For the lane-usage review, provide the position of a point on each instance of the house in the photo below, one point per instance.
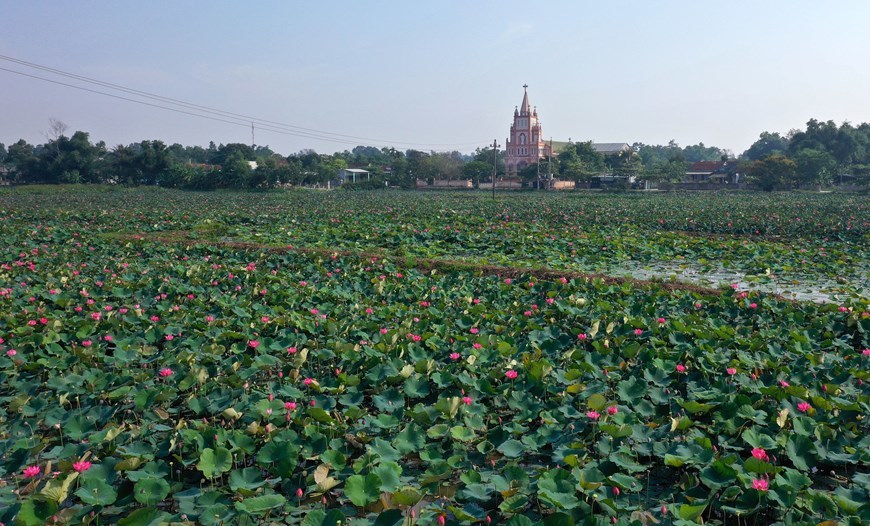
(719, 172)
(351, 174)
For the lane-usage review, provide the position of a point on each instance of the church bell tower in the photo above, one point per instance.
(525, 144)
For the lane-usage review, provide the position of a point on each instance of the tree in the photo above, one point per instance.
(23, 162)
(477, 171)
(627, 164)
(580, 162)
(486, 155)
(122, 164)
(672, 170)
(56, 130)
(816, 167)
(773, 171)
(235, 171)
(699, 152)
(73, 159)
(767, 144)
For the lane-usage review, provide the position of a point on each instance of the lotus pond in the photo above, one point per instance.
(408, 358)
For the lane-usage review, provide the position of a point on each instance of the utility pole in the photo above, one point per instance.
(252, 135)
(494, 164)
(550, 165)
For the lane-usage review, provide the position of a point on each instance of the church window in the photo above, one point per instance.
(522, 138)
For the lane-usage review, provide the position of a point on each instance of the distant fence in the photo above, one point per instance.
(444, 183)
(706, 186)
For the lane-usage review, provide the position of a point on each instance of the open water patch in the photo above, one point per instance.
(801, 288)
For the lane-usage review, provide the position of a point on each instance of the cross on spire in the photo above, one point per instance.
(524, 107)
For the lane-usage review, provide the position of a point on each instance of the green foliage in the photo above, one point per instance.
(773, 172)
(580, 162)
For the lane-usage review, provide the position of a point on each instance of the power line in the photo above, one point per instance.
(176, 110)
(264, 123)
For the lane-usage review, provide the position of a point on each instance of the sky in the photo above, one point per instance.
(430, 75)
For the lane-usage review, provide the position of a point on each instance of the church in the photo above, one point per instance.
(525, 145)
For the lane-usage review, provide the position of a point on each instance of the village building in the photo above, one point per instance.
(525, 145)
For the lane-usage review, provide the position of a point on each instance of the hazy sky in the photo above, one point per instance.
(437, 75)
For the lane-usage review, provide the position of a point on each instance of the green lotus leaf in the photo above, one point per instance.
(363, 490)
(150, 491)
(213, 462)
(96, 492)
(260, 504)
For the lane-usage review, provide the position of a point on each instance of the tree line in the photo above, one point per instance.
(820, 155)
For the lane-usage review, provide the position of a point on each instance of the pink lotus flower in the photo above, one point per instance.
(638, 332)
(299, 493)
(616, 491)
(681, 368)
(383, 330)
(209, 319)
(593, 415)
(760, 484)
(81, 467)
(86, 343)
(760, 454)
(507, 281)
(661, 321)
(511, 374)
(866, 352)
(166, 371)
(31, 471)
(783, 383)
(291, 350)
(731, 371)
(11, 352)
(612, 410)
(455, 356)
(466, 400)
(582, 336)
(803, 407)
(308, 381)
(290, 406)
(473, 330)
(253, 344)
(753, 305)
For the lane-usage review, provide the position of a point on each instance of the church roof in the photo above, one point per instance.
(610, 147)
(606, 148)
